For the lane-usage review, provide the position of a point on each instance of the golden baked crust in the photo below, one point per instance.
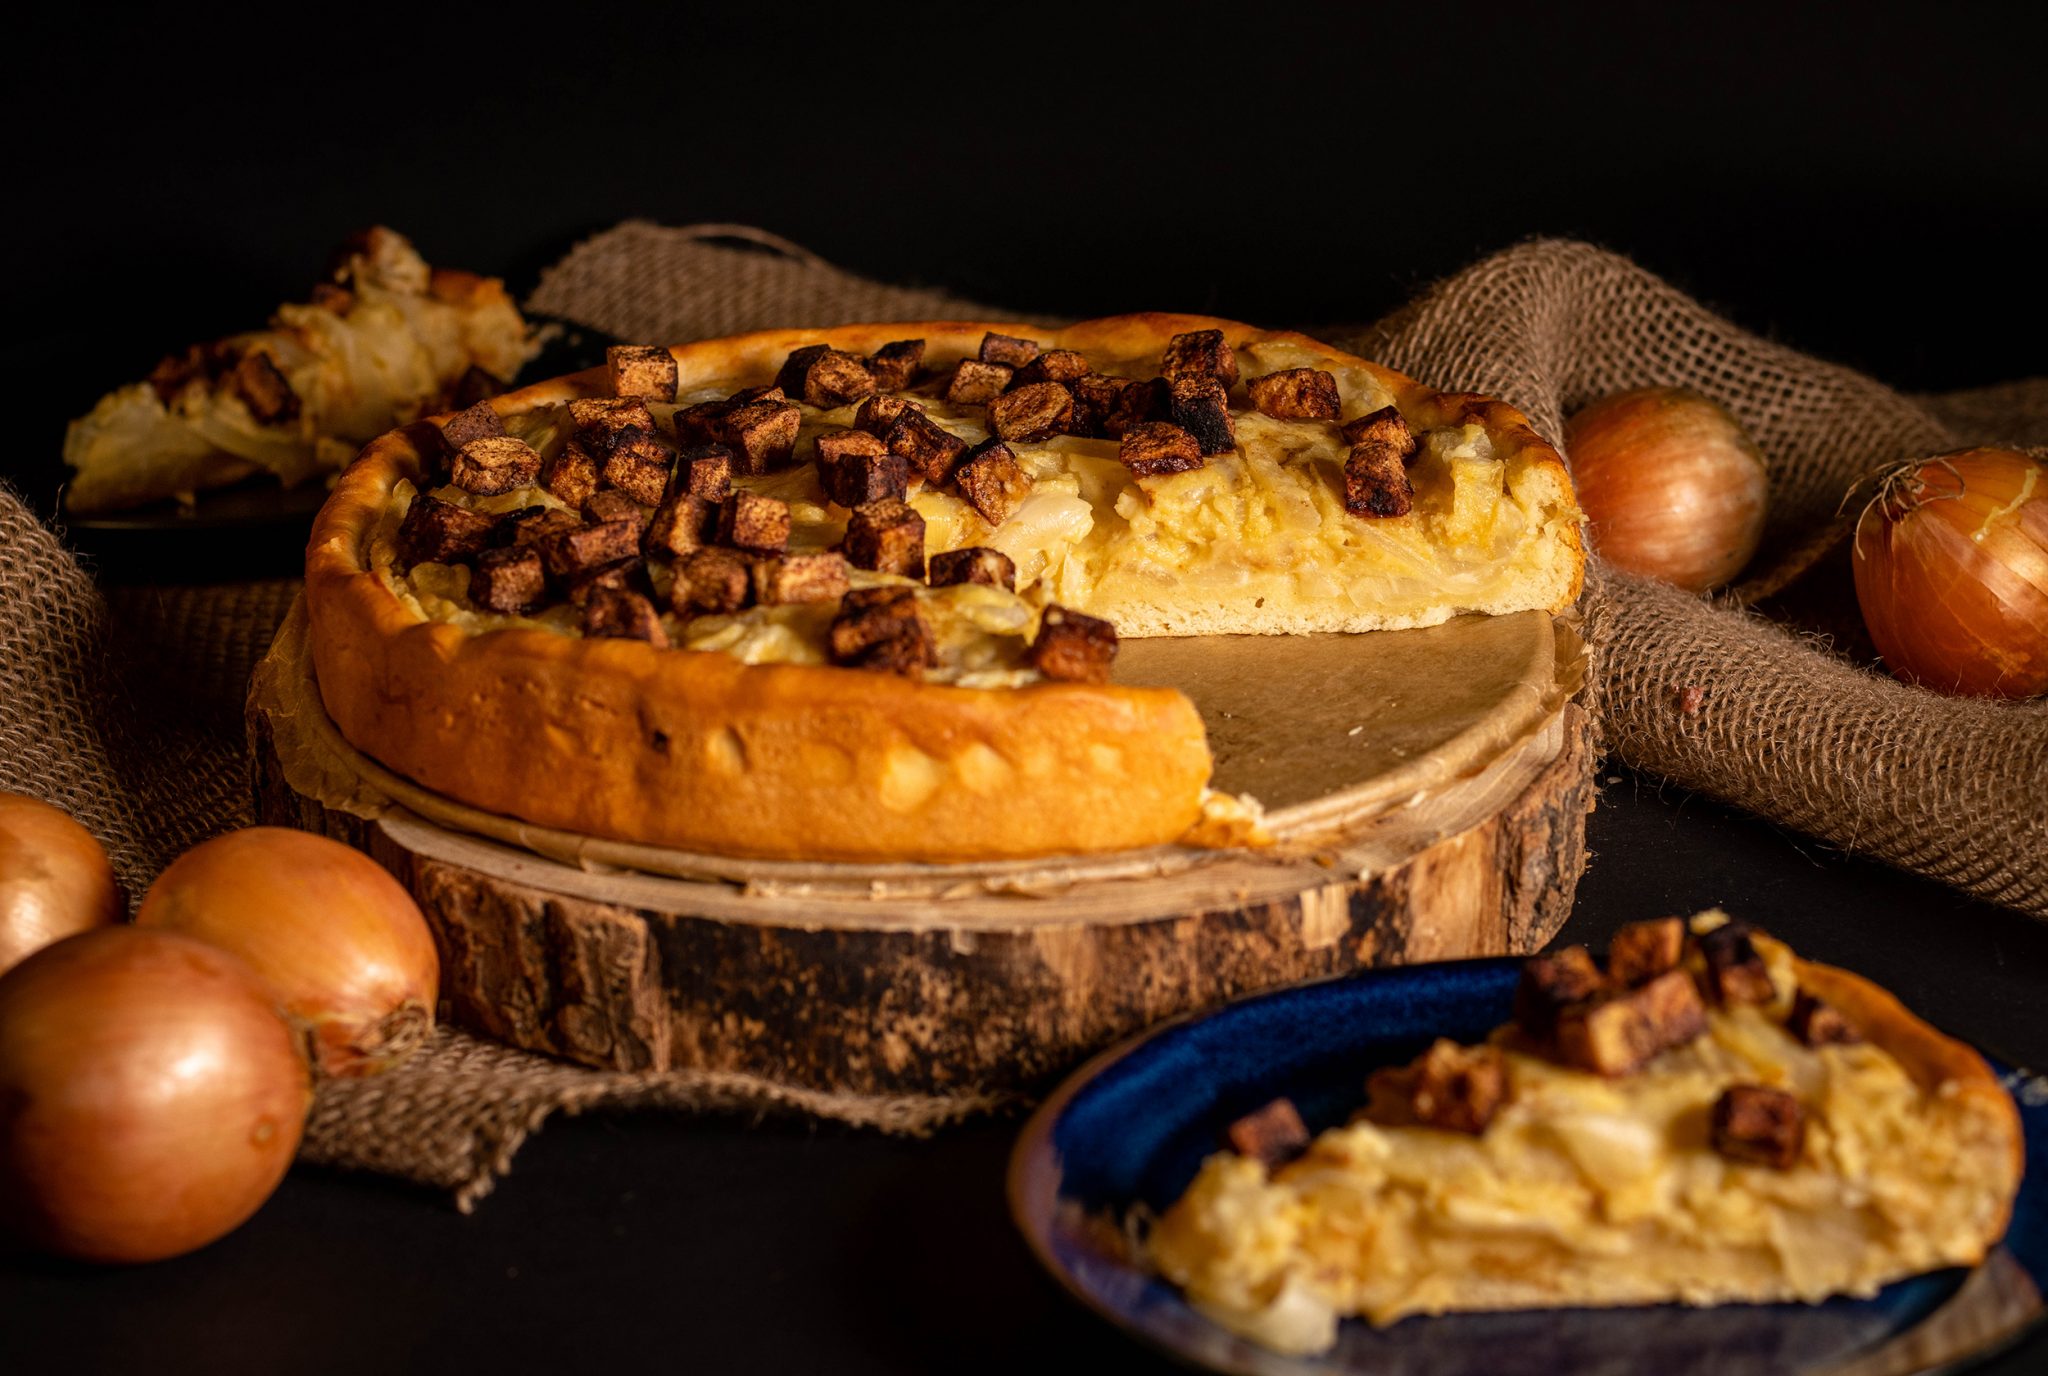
(1939, 1064)
(618, 738)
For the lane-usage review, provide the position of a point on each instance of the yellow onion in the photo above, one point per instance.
(150, 1096)
(1671, 486)
(342, 945)
(54, 879)
(1951, 561)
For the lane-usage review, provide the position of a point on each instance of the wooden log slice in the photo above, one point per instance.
(991, 985)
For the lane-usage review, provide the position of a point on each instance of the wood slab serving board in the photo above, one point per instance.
(1427, 789)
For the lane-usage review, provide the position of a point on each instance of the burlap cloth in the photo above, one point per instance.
(126, 709)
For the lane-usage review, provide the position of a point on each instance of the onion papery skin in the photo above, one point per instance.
(1671, 486)
(340, 942)
(1951, 568)
(151, 1097)
(55, 880)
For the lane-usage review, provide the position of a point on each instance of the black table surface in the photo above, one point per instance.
(721, 1244)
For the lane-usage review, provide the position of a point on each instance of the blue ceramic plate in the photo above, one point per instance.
(1133, 1124)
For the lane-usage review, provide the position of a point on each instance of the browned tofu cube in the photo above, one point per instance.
(641, 371)
(975, 383)
(854, 468)
(621, 614)
(799, 578)
(1157, 447)
(1200, 354)
(1271, 1136)
(1383, 427)
(991, 567)
(749, 521)
(624, 575)
(1032, 412)
(834, 445)
(571, 475)
(508, 580)
(1759, 1126)
(761, 434)
(1376, 483)
(1736, 972)
(1818, 1023)
(882, 629)
(1095, 399)
(262, 388)
(681, 524)
(1296, 394)
(699, 424)
(878, 414)
(825, 378)
(438, 532)
(1054, 365)
(929, 448)
(1449, 1087)
(571, 554)
(703, 470)
(533, 525)
(498, 464)
(992, 481)
(715, 580)
(174, 372)
(638, 465)
(1457, 1088)
(1072, 647)
(895, 366)
(1552, 983)
(1201, 408)
(1007, 350)
(1641, 951)
(597, 419)
(790, 380)
(1618, 1033)
(479, 422)
(617, 506)
(886, 536)
(747, 396)
(1151, 399)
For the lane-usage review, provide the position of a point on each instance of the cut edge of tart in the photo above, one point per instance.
(505, 602)
(1708, 1120)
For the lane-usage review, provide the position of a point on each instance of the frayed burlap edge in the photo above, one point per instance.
(454, 1115)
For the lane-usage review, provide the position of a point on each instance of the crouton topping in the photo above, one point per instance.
(1271, 1136)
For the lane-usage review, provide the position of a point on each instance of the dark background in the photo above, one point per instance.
(1866, 184)
(1869, 184)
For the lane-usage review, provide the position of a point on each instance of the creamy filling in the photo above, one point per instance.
(1589, 1190)
(1260, 533)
